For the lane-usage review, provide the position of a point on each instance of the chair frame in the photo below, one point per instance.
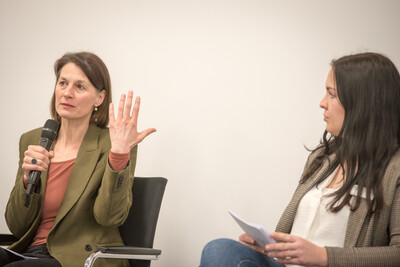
(146, 203)
(135, 253)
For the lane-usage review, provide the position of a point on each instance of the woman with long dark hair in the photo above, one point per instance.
(346, 208)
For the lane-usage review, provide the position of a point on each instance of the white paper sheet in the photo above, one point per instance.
(256, 231)
(20, 255)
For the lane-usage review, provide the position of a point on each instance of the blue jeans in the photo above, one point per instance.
(231, 253)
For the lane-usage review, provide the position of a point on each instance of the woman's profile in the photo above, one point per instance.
(346, 208)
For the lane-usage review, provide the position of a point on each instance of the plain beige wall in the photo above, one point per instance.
(233, 87)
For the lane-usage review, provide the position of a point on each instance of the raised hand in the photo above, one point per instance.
(123, 128)
(296, 250)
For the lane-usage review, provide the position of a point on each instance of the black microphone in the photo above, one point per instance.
(49, 133)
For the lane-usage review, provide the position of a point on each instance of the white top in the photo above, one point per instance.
(315, 222)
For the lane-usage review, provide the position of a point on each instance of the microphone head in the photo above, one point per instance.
(50, 129)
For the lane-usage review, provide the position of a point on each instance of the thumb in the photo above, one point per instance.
(146, 133)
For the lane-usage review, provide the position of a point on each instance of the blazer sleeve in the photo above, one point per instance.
(114, 197)
(18, 217)
(372, 256)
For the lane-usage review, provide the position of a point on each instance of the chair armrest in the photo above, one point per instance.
(7, 239)
(124, 252)
(130, 250)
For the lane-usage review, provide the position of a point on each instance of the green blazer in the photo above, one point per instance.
(97, 200)
(369, 241)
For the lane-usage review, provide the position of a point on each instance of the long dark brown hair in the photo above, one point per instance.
(98, 75)
(368, 87)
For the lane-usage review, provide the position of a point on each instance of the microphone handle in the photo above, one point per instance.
(34, 176)
(32, 181)
(45, 142)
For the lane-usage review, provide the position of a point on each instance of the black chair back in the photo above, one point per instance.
(140, 226)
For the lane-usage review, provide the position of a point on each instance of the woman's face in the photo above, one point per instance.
(334, 111)
(76, 97)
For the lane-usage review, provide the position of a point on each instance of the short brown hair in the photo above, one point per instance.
(98, 75)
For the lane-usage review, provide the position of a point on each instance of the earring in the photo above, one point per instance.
(94, 112)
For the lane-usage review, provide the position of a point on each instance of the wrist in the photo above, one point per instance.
(324, 257)
(118, 161)
(120, 150)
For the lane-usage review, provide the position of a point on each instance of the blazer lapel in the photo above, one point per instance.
(355, 223)
(318, 174)
(85, 163)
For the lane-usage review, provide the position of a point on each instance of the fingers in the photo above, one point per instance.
(250, 242)
(124, 108)
(282, 237)
(283, 254)
(286, 250)
(121, 106)
(142, 135)
(135, 113)
(280, 246)
(246, 238)
(147, 132)
(36, 158)
(111, 116)
(128, 105)
(296, 250)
